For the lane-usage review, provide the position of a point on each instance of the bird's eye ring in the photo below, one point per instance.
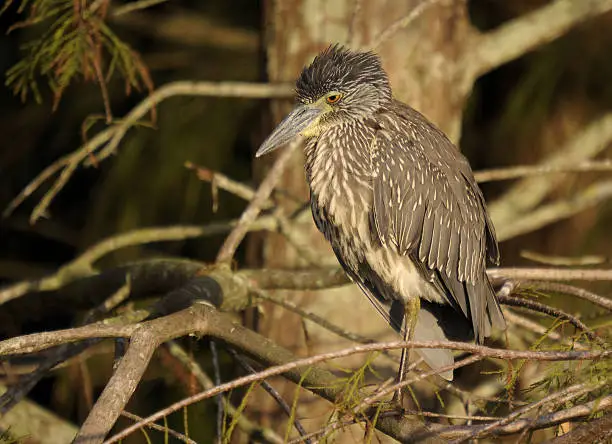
(333, 98)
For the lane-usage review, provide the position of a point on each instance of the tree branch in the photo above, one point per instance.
(520, 171)
(528, 32)
(106, 142)
(551, 274)
(528, 193)
(594, 195)
(226, 253)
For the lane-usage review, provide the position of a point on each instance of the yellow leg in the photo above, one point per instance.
(411, 314)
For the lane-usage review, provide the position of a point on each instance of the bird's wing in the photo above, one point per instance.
(428, 206)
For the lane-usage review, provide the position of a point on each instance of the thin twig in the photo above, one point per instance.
(575, 390)
(226, 253)
(205, 382)
(402, 23)
(313, 317)
(370, 400)
(106, 142)
(517, 172)
(551, 311)
(545, 421)
(217, 179)
(481, 351)
(563, 261)
(82, 265)
(155, 426)
(219, 398)
(192, 89)
(135, 6)
(597, 431)
(527, 324)
(271, 391)
(573, 291)
(551, 274)
(529, 192)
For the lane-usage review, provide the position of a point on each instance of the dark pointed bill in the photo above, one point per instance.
(296, 121)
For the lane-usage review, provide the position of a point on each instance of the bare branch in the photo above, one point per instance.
(206, 383)
(520, 171)
(272, 392)
(313, 317)
(554, 312)
(594, 195)
(403, 22)
(192, 89)
(135, 6)
(226, 253)
(551, 274)
(106, 142)
(217, 179)
(119, 389)
(144, 340)
(480, 351)
(82, 266)
(41, 341)
(530, 31)
(528, 193)
(574, 291)
(544, 421)
(154, 426)
(597, 430)
(565, 261)
(574, 391)
(526, 324)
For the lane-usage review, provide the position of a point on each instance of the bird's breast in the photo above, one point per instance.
(340, 182)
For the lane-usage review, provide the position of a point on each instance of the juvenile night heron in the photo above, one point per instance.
(397, 202)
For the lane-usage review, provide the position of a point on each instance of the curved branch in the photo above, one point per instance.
(528, 32)
(106, 142)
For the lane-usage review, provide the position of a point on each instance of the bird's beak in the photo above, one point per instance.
(296, 122)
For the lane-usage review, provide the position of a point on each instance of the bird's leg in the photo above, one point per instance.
(411, 314)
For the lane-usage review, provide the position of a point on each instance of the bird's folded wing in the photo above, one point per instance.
(427, 206)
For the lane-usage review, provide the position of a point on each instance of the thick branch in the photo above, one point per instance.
(530, 31)
(562, 209)
(597, 430)
(144, 340)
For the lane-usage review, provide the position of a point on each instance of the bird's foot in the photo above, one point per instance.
(397, 402)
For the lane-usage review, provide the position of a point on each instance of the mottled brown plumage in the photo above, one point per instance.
(395, 199)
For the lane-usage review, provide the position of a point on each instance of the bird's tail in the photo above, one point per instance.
(440, 323)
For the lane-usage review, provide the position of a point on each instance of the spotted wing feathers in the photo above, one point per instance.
(428, 206)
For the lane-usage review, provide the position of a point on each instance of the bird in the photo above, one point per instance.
(397, 202)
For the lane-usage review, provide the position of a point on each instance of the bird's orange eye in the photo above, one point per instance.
(333, 98)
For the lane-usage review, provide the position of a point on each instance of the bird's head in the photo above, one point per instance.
(338, 86)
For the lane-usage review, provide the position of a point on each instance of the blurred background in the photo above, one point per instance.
(516, 114)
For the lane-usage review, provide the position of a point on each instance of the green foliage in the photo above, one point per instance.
(74, 43)
(227, 433)
(558, 376)
(294, 404)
